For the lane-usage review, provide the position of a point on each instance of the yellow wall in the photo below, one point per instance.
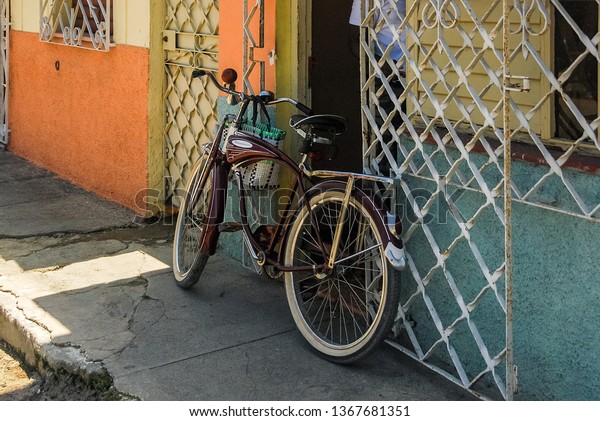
(131, 20)
(25, 15)
(477, 76)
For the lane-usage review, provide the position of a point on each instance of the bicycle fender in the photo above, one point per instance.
(392, 243)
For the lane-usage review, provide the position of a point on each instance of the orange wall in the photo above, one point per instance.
(231, 41)
(87, 121)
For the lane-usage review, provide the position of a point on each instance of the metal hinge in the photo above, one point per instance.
(516, 377)
(522, 84)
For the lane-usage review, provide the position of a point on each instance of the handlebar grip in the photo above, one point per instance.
(198, 73)
(304, 109)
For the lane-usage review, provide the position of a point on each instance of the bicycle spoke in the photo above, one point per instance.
(313, 298)
(357, 297)
(341, 312)
(332, 312)
(345, 324)
(326, 301)
(360, 253)
(365, 260)
(352, 287)
(343, 300)
(331, 223)
(313, 242)
(306, 279)
(353, 220)
(339, 304)
(320, 307)
(312, 262)
(194, 223)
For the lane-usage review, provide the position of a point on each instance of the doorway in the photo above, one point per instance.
(334, 79)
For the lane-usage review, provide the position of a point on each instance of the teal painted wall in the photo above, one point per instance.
(556, 286)
(555, 280)
(462, 267)
(556, 299)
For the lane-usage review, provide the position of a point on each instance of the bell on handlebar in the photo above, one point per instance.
(267, 96)
(229, 76)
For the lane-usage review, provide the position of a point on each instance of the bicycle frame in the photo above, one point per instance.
(344, 298)
(240, 150)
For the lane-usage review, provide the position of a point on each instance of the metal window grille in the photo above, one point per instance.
(77, 23)
(475, 80)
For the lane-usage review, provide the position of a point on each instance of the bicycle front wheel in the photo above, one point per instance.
(345, 314)
(188, 262)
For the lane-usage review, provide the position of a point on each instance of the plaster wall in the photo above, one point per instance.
(100, 117)
(231, 38)
(82, 114)
(556, 295)
(556, 286)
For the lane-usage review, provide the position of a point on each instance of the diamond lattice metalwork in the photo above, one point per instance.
(473, 75)
(427, 118)
(191, 41)
(567, 98)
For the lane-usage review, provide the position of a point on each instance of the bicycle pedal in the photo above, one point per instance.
(230, 227)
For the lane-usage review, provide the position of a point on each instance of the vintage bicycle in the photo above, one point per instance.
(339, 250)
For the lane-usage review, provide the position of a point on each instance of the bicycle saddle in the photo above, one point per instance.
(333, 123)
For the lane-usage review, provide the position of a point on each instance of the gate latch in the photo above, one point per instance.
(169, 40)
(518, 83)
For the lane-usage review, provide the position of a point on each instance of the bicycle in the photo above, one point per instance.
(340, 252)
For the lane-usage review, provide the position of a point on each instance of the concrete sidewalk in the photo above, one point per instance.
(84, 290)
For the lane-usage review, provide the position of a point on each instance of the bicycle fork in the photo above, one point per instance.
(340, 225)
(394, 250)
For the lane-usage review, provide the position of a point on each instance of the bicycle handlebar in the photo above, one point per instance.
(303, 108)
(242, 96)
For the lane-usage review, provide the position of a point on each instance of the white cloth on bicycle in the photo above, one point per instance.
(395, 11)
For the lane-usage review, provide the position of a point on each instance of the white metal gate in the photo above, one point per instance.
(191, 41)
(478, 84)
(4, 70)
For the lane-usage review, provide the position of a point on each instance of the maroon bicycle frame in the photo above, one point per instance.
(242, 150)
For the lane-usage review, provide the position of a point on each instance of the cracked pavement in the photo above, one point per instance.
(84, 290)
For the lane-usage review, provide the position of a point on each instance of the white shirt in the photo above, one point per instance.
(395, 12)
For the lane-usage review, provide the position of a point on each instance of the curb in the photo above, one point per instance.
(35, 344)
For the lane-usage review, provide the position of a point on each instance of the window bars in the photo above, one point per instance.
(418, 109)
(475, 79)
(77, 23)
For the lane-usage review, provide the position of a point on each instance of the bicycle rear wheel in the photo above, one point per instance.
(188, 262)
(346, 314)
